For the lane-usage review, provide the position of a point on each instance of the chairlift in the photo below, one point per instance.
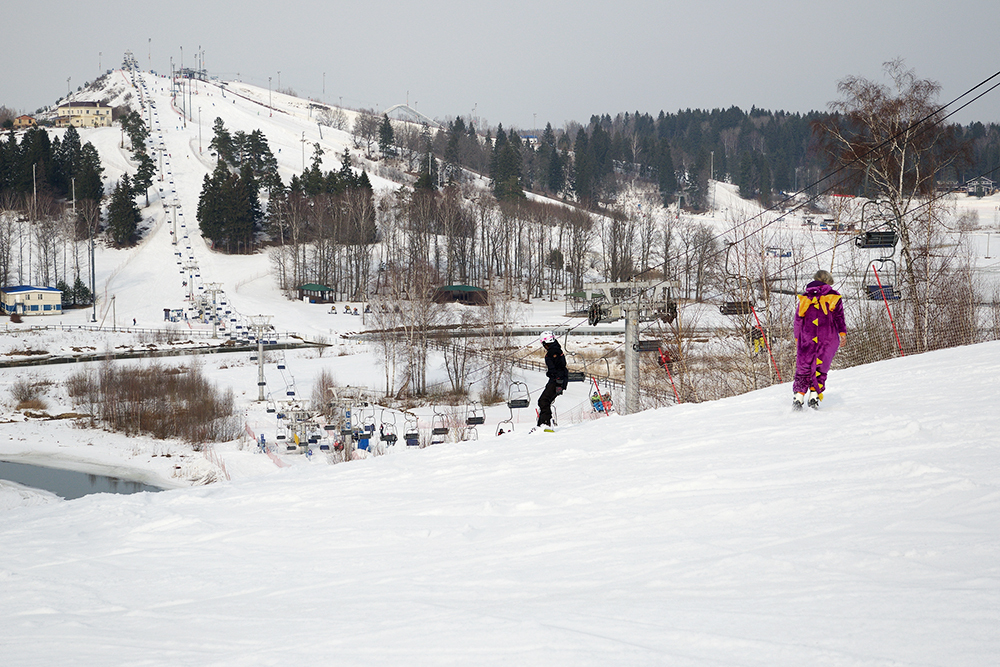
(518, 396)
(881, 279)
(388, 429)
(411, 433)
(736, 308)
(736, 284)
(439, 428)
(271, 407)
(475, 414)
(878, 231)
(600, 399)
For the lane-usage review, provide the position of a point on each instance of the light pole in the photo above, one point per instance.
(712, 173)
(303, 152)
(199, 130)
(324, 85)
(268, 96)
(279, 80)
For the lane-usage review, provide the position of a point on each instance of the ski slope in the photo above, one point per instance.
(731, 533)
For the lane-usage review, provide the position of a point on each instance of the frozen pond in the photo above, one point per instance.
(68, 484)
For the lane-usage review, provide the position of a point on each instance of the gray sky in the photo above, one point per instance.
(513, 62)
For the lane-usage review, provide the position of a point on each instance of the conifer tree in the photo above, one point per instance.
(386, 136)
(123, 214)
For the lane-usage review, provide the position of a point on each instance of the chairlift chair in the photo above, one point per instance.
(739, 285)
(411, 434)
(439, 428)
(880, 281)
(600, 399)
(475, 414)
(388, 430)
(518, 396)
(878, 231)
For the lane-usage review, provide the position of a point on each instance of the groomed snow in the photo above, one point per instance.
(729, 533)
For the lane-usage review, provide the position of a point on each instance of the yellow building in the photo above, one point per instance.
(22, 122)
(83, 114)
(28, 300)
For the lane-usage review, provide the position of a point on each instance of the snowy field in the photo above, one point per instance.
(732, 533)
(729, 533)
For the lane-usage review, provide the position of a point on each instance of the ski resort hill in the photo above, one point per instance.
(731, 532)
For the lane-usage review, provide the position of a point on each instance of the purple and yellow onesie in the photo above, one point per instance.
(819, 323)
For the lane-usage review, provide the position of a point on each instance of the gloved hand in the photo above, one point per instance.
(559, 389)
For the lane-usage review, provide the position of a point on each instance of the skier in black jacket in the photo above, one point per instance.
(555, 370)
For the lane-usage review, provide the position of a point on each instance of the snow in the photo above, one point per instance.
(733, 532)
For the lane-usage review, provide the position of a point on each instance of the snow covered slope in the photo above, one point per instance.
(726, 533)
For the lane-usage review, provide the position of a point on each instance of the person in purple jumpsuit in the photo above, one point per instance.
(820, 329)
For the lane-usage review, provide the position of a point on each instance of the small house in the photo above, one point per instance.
(979, 186)
(23, 122)
(28, 300)
(315, 293)
(467, 294)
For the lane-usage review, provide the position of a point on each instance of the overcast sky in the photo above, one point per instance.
(518, 63)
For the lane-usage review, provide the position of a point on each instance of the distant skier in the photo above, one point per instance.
(820, 329)
(555, 370)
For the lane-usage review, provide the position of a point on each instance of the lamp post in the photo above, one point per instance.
(199, 130)
(712, 174)
(268, 96)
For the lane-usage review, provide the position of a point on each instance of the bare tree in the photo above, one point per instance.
(365, 130)
(893, 144)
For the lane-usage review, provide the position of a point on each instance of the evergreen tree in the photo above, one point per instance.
(505, 166)
(67, 293)
(82, 296)
(143, 180)
(88, 174)
(665, 175)
(222, 142)
(123, 214)
(583, 169)
(386, 136)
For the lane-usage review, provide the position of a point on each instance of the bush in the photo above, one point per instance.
(164, 403)
(27, 395)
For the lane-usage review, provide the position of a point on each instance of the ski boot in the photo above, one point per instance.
(814, 399)
(798, 400)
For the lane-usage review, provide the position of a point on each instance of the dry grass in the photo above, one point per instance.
(164, 403)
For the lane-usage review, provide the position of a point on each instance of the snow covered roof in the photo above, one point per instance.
(28, 288)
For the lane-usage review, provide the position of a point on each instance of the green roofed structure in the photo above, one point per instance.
(315, 293)
(467, 294)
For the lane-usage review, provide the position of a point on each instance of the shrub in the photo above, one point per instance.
(165, 403)
(27, 394)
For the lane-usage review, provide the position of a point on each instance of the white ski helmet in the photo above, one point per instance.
(547, 337)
